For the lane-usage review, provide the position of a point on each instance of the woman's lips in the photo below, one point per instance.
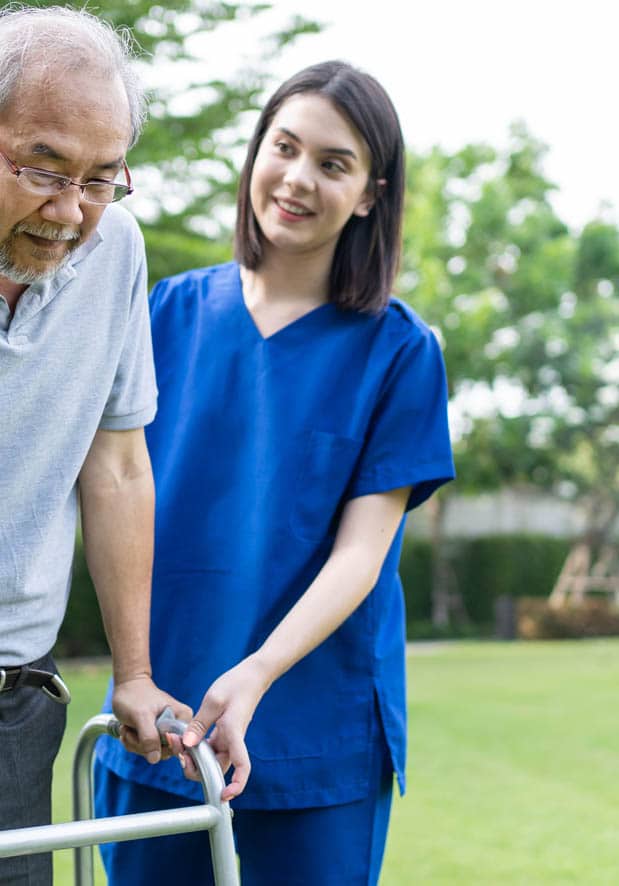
(292, 208)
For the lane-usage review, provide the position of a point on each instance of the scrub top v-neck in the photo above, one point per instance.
(258, 443)
(264, 336)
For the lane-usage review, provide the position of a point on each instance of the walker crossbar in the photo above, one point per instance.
(81, 834)
(71, 834)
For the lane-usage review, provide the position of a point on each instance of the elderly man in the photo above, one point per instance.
(76, 388)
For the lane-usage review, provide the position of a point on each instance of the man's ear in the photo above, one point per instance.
(369, 198)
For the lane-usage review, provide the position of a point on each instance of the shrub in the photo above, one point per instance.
(482, 570)
(82, 631)
(593, 617)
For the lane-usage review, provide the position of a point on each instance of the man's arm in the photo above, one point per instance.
(117, 507)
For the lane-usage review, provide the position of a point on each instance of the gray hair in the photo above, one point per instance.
(66, 39)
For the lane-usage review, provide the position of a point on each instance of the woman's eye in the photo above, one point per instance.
(333, 166)
(283, 147)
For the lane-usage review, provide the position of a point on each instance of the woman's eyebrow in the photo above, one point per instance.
(344, 152)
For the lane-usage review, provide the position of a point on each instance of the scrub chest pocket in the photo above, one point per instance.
(326, 469)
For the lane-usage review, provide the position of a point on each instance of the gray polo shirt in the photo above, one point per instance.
(75, 357)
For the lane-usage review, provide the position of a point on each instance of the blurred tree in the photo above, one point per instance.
(186, 160)
(576, 394)
(528, 315)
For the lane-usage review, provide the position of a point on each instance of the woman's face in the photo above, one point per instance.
(309, 177)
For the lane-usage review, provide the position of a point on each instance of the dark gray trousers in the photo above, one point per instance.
(31, 729)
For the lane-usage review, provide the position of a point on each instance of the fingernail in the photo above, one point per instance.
(181, 760)
(153, 756)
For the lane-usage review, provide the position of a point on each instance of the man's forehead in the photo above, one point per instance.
(59, 117)
(53, 95)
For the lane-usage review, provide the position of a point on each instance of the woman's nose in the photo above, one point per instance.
(300, 174)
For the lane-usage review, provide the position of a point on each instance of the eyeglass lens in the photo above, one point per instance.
(48, 184)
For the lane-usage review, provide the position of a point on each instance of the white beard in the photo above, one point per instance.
(26, 275)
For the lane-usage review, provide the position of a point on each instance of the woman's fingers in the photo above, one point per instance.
(177, 748)
(204, 718)
(239, 759)
(195, 732)
(230, 750)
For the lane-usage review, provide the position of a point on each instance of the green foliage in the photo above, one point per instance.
(170, 253)
(528, 314)
(597, 258)
(81, 634)
(483, 569)
(488, 568)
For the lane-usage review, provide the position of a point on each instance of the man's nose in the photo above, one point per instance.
(64, 208)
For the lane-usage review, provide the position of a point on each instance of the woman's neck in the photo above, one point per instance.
(290, 279)
(278, 293)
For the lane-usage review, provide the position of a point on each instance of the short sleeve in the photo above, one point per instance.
(408, 438)
(132, 402)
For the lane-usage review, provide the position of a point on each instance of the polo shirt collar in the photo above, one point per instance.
(85, 249)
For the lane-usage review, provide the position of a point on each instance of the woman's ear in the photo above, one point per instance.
(369, 198)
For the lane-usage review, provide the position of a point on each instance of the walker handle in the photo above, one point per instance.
(167, 722)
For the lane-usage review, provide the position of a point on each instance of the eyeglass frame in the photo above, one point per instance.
(18, 170)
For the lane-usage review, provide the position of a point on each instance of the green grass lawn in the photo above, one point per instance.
(513, 766)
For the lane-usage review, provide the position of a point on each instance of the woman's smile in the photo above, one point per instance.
(312, 165)
(292, 207)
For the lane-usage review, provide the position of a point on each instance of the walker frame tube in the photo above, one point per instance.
(81, 834)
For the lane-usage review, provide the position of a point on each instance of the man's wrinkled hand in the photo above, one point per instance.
(137, 702)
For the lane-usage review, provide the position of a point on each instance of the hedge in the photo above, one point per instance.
(82, 631)
(482, 569)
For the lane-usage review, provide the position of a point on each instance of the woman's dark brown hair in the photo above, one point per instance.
(368, 251)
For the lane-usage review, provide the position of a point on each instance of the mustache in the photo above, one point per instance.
(48, 232)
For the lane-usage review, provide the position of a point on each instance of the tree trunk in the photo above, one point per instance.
(446, 599)
(592, 563)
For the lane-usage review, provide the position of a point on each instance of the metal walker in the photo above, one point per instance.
(86, 831)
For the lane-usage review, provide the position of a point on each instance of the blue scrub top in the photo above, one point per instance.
(257, 444)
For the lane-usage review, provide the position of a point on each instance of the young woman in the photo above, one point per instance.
(302, 411)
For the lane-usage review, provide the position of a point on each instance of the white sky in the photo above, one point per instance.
(462, 70)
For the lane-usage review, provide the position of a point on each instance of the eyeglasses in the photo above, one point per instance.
(49, 184)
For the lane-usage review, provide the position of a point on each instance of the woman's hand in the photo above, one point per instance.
(228, 707)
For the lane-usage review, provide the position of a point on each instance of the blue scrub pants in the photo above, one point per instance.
(324, 846)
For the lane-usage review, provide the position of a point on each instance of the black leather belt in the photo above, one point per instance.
(25, 675)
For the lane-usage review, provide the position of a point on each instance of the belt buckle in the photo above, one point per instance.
(2, 678)
(62, 694)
